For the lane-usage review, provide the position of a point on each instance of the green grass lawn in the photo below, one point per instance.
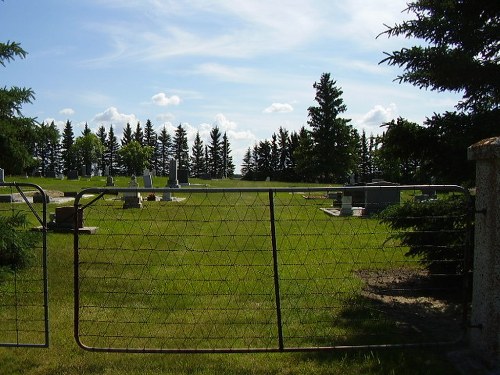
(198, 273)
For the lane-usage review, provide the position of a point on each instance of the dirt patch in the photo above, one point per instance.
(417, 299)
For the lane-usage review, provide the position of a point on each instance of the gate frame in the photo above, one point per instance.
(43, 222)
(280, 347)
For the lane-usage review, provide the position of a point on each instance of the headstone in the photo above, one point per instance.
(110, 181)
(65, 217)
(84, 171)
(106, 170)
(60, 176)
(172, 177)
(376, 200)
(38, 198)
(2, 176)
(346, 209)
(148, 180)
(172, 180)
(73, 175)
(183, 176)
(50, 174)
(132, 199)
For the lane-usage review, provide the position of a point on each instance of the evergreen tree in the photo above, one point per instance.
(215, 153)
(47, 147)
(459, 54)
(303, 155)
(333, 138)
(198, 162)
(274, 157)
(138, 134)
(227, 159)
(112, 155)
(127, 135)
(86, 130)
(364, 167)
(164, 147)
(17, 136)
(264, 160)
(102, 135)
(283, 152)
(181, 148)
(67, 152)
(247, 168)
(151, 140)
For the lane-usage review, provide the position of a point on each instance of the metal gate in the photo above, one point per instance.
(251, 270)
(24, 310)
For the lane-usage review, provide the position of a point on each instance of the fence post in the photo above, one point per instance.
(485, 316)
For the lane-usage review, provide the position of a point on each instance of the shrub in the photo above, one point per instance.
(436, 231)
(16, 244)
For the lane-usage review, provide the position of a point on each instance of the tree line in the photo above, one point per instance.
(139, 148)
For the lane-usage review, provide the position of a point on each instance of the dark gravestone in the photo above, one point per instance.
(6, 198)
(65, 217)
(73, 175)
(183, 176)
(38, 198)
(50, 174)
(377, 200)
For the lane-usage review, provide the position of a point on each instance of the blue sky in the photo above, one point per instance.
(247, 66)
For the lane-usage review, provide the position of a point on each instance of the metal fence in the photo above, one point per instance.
(24, 310)
(249, 270)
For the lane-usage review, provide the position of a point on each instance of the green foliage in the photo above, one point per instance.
(17, 132)
(135, 157)
(435, 231)
(335, 140)
(460, 53)
(16, 244)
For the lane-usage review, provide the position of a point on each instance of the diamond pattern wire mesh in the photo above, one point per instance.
(23, 292)
(198, 274)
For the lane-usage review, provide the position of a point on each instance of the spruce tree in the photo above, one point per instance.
(138, 134)
(151, 140)
(215, 152)
(112, 148)
(127, 135)
(102, 135)
(227, 159)
(181, 148)
(334, 139)
(67, 151)
(164, 149)
(197, 157)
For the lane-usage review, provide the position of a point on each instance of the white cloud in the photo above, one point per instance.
(112, 116)
(67, 111)
(279, 107)
(377, 116)
(165, 117)
(163, 100)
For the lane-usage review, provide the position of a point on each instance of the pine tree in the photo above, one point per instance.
(334, 139)
(181, 148)
(151, 140)
(102, 135)
(247, 168)
(138, 135)
(215, 153)
(227, 159)
(112, 149)
(164, 147)
(197, 157)
(127, 135)
(67, 152)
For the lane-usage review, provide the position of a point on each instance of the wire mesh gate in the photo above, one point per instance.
(24, 320)
(249, 270)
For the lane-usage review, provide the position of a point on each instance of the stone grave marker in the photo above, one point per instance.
(2, 175)
(73, 175)
(148, 179)
(346, 209)
(110, 181)
(172, 180)
(132, 199)
(183, 176)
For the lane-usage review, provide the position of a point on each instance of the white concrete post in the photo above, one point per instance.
(485, 318)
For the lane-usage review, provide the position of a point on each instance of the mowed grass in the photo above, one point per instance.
(190, 277)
